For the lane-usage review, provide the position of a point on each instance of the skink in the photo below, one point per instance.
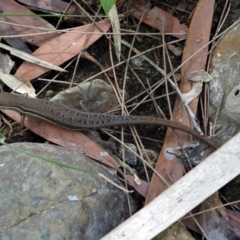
(74, 119)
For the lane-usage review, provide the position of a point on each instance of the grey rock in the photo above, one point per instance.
(40, 200)
(232, 105)
(225, 69)
(94, 96)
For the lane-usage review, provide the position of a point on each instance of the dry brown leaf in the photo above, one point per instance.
(198, 36)
(159, 19)
(28, 26)
(15, 42)
(89, 57)
(63, 48)
(50, 5)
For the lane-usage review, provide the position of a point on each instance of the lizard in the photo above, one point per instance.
(67, 117)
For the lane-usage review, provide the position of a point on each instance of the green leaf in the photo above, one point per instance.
(107, 5)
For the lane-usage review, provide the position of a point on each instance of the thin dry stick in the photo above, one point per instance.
(62, 15)
(124, 61)
(55, 77)
(158, 109)
(164, 64)
(124, 83)
(213, 208)
(56, 81)
(116, 139)
(206, 90)
(123, 106)
(194, 120)
(85, 41)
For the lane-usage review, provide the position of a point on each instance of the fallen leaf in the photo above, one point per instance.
(199, 29)
(30, 58)
(113, 15)
(18, 84)
(50, 5)
(160, 20)
(63, 48)
(32, 29)
(15, 42)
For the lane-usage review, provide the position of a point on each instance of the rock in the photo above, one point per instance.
(40, 200)
(232, 105)
(95, 96)
(225, 70)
